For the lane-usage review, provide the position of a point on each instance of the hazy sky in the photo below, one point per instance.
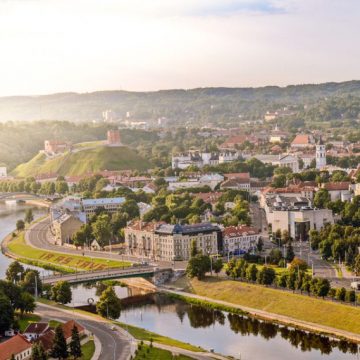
(51, 46)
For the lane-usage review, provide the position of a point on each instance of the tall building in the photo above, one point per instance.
(320, 155)
(113, 138)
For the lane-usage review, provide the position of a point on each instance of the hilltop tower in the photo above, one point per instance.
(320, 154)
(113, 138)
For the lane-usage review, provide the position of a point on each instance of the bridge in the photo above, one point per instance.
(111, 273)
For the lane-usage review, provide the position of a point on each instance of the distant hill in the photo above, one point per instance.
(180, 106)
(84, 161)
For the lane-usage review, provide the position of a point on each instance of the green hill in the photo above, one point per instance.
(83, 162)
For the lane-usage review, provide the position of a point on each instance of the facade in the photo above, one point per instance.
(65, 227)
(55, 146)
(35, 330)
(238, 240)
(18, 346)
(110, 205)
(113, 138)
(164, 242)
(339, 190)
(320, 155)
(3, 172)
(296, 215)
(286, 160)
(302, 141)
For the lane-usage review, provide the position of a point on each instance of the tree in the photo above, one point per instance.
(193, 249)
(61, 292)
(275, 256)
(251, 272)
(59, 348)
(38, 352)
(26, 303)
(6, 314)
(198, 266)
(350, 296)
(109, 305)
(29, 217)
(30, 281)
(61, 187)
(260, 244)
(289, 253)
(323, 287)
(340, 294)
(285, 237)
(266, 276)
(298, 264)
(357, 265)
(101, 229)
(217, 265)
(20, 225)
(14, 272)
(322, 198)
(75, 345)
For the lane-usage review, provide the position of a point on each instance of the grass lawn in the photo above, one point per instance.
(152, 353)
(301, 307)
(88, 350)
(26, 319)
(142, 334)
(67, 262)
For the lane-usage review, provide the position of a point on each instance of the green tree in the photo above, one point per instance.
(340, 294)
(101, 230)
(29, 217)
(26, 303)
(266, 276)
(350, 296)
(31, 280)
(6, 314)
(290, 254)
(38, 352)
(20, 225)
(109, 305)
(59, 348)
(61, 187)
(75, 345)
(61, 292)
(198, 266)
(14, 272)
(357, 265)
(322, 198)
(193, 249)
(323, 287)
(217, 265)
(251, 273)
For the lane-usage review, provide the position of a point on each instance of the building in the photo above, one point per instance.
(110, 205)
(302, 141)
(35, 330)
(3, 172)
(273, 115)
(173, 242)
(338, 190)
(287, 160)
(113, 138)
(238, 240)
(18, 346)
(194, 157)
(277, 136)
(53, 147)
(65, 227)
(296, 215)
(108, 116)
(67, 329)
(236, 184)
(320, 155)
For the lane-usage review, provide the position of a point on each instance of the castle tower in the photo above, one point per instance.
(320, 154)
(113, 138)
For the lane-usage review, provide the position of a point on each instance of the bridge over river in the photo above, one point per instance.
(111, 273)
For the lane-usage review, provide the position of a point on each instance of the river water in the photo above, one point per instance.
(9, 214)
(233, 335)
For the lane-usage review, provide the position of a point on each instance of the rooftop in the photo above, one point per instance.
(36, 328)
(15, 345)
(186, 229)
(103, 201)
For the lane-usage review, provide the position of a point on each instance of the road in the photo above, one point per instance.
(37, 236)
(114, 344)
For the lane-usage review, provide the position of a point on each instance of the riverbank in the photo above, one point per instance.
(16, 248)
(299, 311)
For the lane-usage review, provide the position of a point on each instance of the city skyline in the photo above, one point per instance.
(85, 46)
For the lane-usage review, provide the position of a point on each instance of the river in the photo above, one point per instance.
(9, 214)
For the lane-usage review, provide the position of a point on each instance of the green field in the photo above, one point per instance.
(88, 350)
(152, 353)
(84, 162)
(296, 306)
(64, 262)
(142, 334)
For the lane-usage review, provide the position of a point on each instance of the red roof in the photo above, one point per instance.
(17, 344)
(344, 185)
(209, 197)
(47, 339)
(244, 175)
(144, 226)
(301, 140)
(234, 231)
(36, 328)
(68, 326)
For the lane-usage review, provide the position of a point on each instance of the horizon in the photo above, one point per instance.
(86, 46)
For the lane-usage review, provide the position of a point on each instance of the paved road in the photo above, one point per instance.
(114, 345)
(37, 236)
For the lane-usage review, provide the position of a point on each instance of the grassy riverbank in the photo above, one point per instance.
(296, 306)
(57, 261)
(151, 353)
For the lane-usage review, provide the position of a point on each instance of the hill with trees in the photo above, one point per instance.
(83, 162)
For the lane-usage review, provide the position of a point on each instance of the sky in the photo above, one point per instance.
(49, 46)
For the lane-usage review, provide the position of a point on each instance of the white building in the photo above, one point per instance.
(320, 155)
(339, 190)
(110, 205)
(239, 239)
(296, 215)
(3, 172)
(284, 160)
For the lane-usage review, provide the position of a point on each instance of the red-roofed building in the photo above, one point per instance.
(303, 141)
(240, 239)
(35, 330)
(67, 329)
(18, 346)
(244, 176)
(338, 190)
(237, 140)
